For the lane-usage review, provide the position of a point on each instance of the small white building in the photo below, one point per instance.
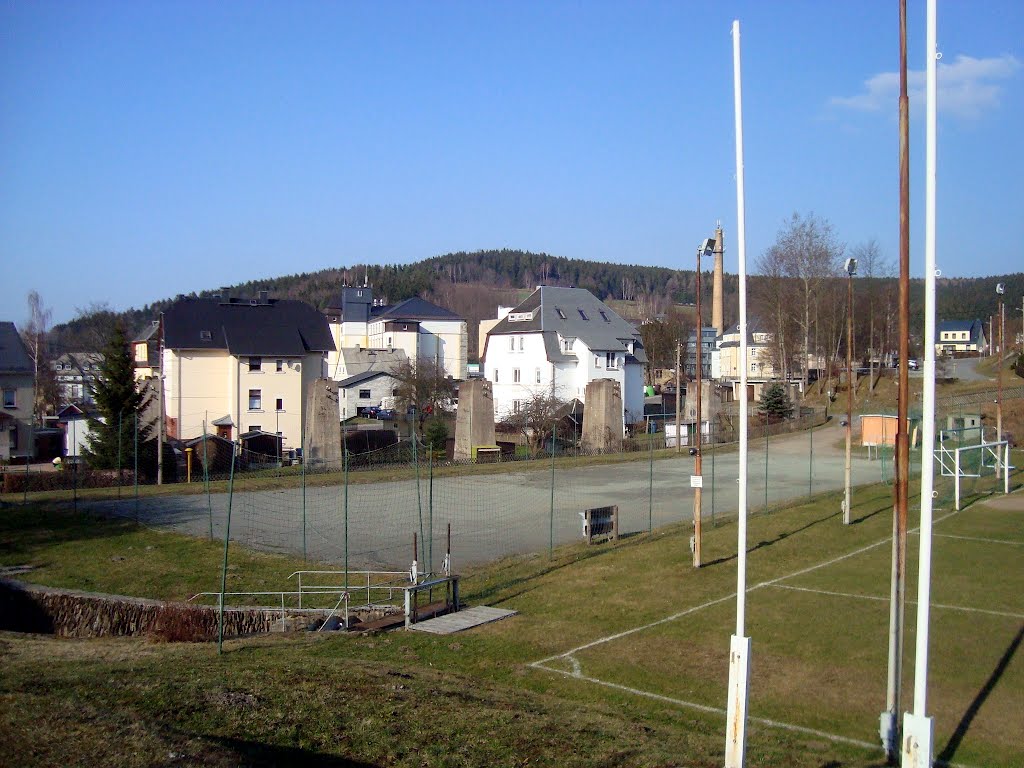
(960, 336)
(558, 340)
(363, 390)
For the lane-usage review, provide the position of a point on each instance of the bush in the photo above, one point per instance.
(435, 434)
(20, 482)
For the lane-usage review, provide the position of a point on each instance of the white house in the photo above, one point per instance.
(422, 330)
(241, 365)
(760, 370)
(76, 374)
(363, 390)
(960, 336)
(557, 341)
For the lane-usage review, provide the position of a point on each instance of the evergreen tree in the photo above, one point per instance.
(118, 401)
(775, 403)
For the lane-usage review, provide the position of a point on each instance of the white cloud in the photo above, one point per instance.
(967, 87)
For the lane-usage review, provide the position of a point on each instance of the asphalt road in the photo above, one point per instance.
(496, 515)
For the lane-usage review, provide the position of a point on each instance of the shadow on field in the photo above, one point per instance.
(781, 537)
(22, 528)
(972, 711)
(254, 753)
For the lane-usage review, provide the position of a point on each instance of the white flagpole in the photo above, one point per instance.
(739, 646)
(918, 730)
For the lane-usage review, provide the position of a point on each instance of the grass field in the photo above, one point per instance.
(618, 656)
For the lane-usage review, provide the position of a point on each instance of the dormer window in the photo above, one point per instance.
(206, 335)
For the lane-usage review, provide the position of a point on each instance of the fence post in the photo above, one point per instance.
(74, 469)
(302, 470)
(24, 492)
(430, 507)
(810, 459)
(419, 498)
(119, 434)
(206, 478)
(136, 467)
(551, 517)
(224, 568)
(650, 483)
(766, 462)
(345, 464)
(956, 479)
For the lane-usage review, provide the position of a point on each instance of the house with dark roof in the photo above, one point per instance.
(76, 374)
(558, 340)
(359, 392)
(417, 327)
(960, 337)
(235, 365)
(17, 389)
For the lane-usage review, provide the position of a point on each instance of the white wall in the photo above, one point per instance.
(349, 401)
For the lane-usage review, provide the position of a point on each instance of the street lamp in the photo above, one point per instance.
(706, 248)
(851, 270)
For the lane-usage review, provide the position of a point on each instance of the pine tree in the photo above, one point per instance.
(775, 403)
(118, 401)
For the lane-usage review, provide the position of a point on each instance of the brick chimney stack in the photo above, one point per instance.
(716, 297)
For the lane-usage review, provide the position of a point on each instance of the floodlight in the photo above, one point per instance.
(851, 267)
(1000, 288)
(707, 247)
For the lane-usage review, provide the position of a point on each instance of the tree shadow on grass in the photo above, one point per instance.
(257, 754)
(972, 711)
(781, 537)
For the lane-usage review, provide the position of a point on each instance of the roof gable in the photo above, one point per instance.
(14, 357)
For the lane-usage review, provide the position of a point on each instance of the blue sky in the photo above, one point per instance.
(150, 149)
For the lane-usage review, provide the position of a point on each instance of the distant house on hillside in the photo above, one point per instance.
(558, 340)
(76, 374)
(243, 365)
(17, 388)
(960, 336)
(420, 329)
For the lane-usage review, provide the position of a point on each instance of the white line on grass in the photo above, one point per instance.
(965, 609)
(976, 538)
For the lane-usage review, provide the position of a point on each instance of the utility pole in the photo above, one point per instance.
(1000, 290)
(851, 270)
(708, 246)
(679, 440)
(889, 726)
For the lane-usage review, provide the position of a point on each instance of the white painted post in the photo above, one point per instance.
(956, 480)
(918, 728)
(1006, 471)
(739, 646)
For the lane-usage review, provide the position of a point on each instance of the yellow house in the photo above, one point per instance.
(241, 365)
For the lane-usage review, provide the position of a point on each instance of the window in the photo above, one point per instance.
(597, 362)
(206, 335)
(12, 438)
(520, 343)
(10, 398)
(495, 375)
(364, 394)
(517, 406)
(582, 313)
(280, 404)
(604, 316)
(515, 375)
(511, 343)
(389, 341)
(255, 399)
(566, 345)
(255, 363)
(610, 361)
(561, 314)
(141, 354)
(537, 378)
(280, 365)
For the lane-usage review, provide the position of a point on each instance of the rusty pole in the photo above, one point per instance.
(697, 458)
(847, 501)
(897, 593)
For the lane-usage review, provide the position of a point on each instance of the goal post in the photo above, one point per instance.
(974, 461)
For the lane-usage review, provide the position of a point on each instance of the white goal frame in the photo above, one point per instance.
(951, 466)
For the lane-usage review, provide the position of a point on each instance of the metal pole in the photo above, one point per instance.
(136, 467)
(206, 477)
(679, 387)
(999, 367)
(302, 470)
(345, 461)
(889, 722)
(739, 645)
(697, 457)
(847, 502)
(224, 567)
(650, 481)
(74, 468)
(918, 728)
(766, 462)
(713, 452)
(430, 508)
(419, 499)
(160, 415)
(119, 426)
(551, 516)
(810, 460)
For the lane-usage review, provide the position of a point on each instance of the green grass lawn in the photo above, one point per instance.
(477, 698)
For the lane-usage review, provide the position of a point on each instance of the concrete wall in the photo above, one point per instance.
(323, 432)
(602, 417)
(474, 421)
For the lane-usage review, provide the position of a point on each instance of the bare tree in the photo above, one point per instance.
(871, 264)
(536, 417)
(772, 297)
(809, 253)
(423, 385)
(46, 395)
(660, 338)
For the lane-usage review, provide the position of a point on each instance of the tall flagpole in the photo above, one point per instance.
(739, 645)
(918, 729)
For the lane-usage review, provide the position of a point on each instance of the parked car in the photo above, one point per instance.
(385, 413)
(370, 411)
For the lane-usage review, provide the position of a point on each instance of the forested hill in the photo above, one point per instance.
(474, 283)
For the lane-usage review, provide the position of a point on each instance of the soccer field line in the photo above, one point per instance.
(977, 538)
(964, 609)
